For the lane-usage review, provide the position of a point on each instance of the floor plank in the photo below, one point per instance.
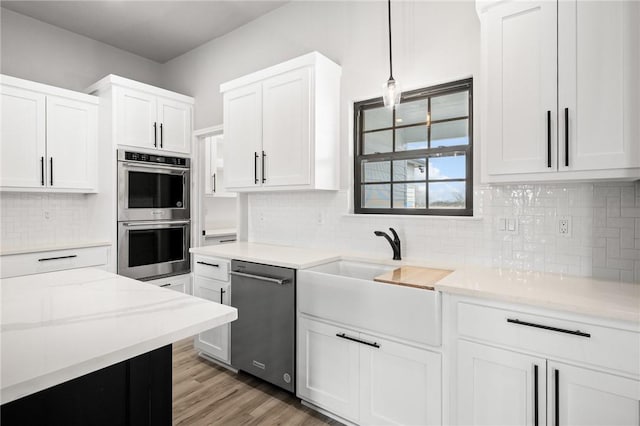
(206, 394)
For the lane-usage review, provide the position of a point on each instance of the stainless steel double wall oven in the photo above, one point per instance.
(154, 227)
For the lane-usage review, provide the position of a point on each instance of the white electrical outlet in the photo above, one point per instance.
(564, 226)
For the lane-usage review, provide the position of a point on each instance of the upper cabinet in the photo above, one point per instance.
(281, 127)
(49, 138)
(560, 90)
(147, 117)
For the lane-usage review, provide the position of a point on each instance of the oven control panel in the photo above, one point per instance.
(158, 159)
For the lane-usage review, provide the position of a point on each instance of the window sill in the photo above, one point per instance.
(411, 216)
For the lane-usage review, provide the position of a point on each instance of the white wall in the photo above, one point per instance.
(37, 51)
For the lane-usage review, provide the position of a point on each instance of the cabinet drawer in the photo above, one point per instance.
(552, 337)
(181, 283)
(211, 267)
(56, 260)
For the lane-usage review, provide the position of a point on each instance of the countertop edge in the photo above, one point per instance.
(70, 246)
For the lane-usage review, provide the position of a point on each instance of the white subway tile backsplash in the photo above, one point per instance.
(604, 242)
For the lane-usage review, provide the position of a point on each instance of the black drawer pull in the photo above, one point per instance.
(215, 265)
(228, 241)
(165, 285)
(353, 339)
(44, 259)
(547, 327)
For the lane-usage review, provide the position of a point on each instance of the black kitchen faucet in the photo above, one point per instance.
(395, 243)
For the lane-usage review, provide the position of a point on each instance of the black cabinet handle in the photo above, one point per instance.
(155, 134)
(264, 179)
(227, 241)
(549, 139)
(214, 182)
(165, 285)
(255, 168)
(44, 259)
(42, 171)
(161, 135)
(557, 397)
(566, 137)
(354, 339)
(221, 296)
(51, 171)
(547, 327)
(535, 395)
(215, 265)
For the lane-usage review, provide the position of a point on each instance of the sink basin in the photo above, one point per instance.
(360, 270)
(344, 292)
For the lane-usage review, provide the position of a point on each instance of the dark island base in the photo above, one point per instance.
(134, 392)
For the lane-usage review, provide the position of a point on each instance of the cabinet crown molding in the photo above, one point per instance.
(116, 80)
(9, 81)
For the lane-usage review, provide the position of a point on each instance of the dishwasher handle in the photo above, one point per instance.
(259, 277)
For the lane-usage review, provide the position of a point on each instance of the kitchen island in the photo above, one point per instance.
(90, 347)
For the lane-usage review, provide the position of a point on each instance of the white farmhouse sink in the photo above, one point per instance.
(344, 292)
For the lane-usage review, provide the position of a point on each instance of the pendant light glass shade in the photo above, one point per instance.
(391, 91)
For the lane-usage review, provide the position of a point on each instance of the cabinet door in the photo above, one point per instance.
(578, 396)
(209, 164)
(243, 136)
(521, 72)
(23, 138)
(499, 387)
(286, 134)
(174, 126)
(136, 122)
(72, 138)
(599, 50)
(399, 385)
(216, 341)
(327, 369)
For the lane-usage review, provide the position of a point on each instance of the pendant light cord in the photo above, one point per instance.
(390, 56)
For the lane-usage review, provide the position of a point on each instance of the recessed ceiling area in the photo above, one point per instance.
(157, 30)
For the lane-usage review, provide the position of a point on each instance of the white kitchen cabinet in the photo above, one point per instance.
(499, 387)
(586, 397)
(49, 138)
(211, 281)
(214, 168)
(560, 90)
(328, 368)
(179, 283)
(146, 117)
(281, 127)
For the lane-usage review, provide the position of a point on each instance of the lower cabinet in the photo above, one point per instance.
(215, 342)
(366, 379)
(503, 387)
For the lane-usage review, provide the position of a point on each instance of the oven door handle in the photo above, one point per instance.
(157, 222)
(155, 166)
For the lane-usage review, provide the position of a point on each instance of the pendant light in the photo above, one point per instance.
(391, 90)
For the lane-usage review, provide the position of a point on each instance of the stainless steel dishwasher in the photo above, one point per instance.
(263, 336)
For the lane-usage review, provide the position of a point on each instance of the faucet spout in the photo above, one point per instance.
(394, 243)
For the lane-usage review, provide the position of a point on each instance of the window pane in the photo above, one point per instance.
(378, 142)
(411, 112)
(377, 118)
(376, 171)
(409, 196)
(376, 196)
(450, 106)
(447, 195)
(413, 169)
(448, 167)
(451, 133)
(410, 138)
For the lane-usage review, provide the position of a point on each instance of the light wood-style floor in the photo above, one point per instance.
(207, 394)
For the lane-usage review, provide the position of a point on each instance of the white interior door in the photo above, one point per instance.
(598, 56)
(591, 398)
(327, 368)
(243, 137)
(286, 135)
(522, 87)
(72, 132)
(136, 118)
(174, 121)
(216, 341)
(399, 384)
(498, 387)
(22, 156)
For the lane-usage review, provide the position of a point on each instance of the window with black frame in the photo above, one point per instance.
(418, 157)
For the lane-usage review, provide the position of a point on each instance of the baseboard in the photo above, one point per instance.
(327, 413)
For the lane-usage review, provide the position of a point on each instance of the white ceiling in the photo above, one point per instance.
(158, 30)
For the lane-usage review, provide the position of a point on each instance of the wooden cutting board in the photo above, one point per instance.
(413, 276)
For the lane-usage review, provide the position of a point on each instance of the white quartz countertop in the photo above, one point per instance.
(61, 325)
(285, 256)
(588, 296)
